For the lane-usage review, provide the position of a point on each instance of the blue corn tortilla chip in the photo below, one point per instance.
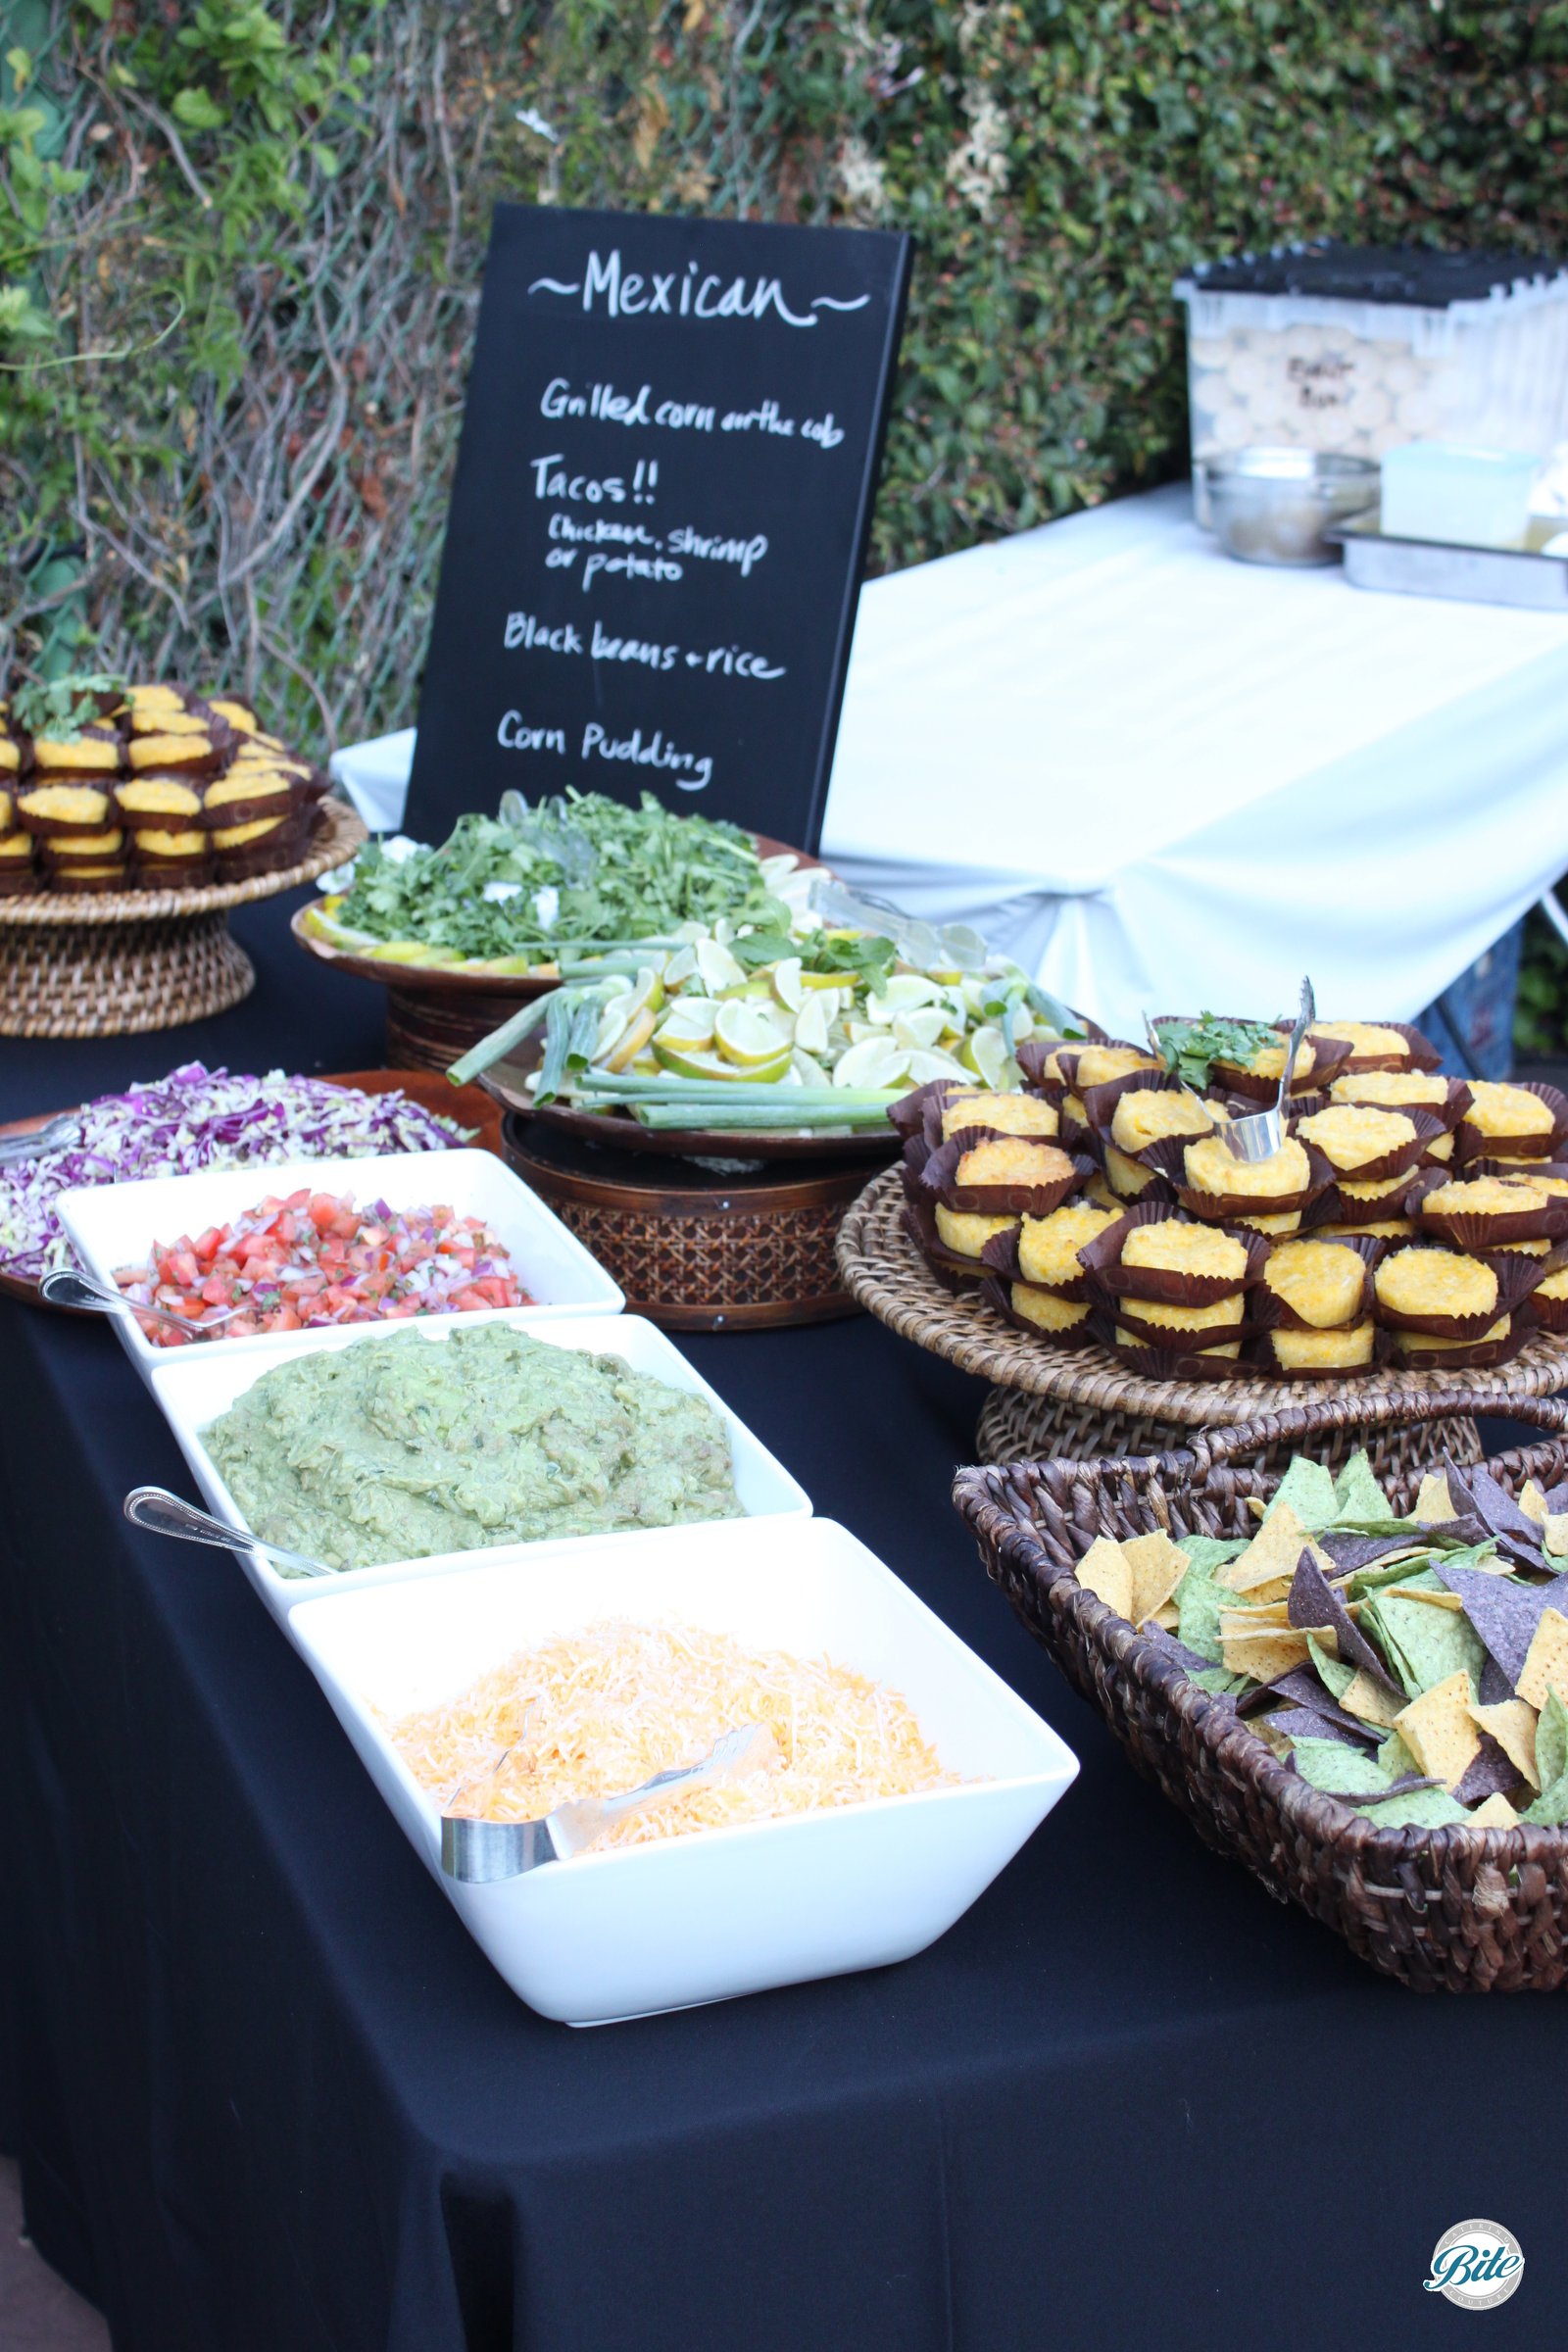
(1494, 1683)
(1312, 1600)
(1492, 1505)
(1490, 1772)
(1503, 1613)
(1190, 1660)
(1308, 1723)
(1351, 1552)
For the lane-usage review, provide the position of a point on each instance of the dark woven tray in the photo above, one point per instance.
(1456, 1910)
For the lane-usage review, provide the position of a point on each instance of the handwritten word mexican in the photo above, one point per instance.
(632, 294)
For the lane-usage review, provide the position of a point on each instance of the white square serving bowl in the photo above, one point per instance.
(194, 1384)
(115, 1225)
(721, 1912)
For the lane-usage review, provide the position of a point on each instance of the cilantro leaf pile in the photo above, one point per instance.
(1190, 1049)
(1416, 1668)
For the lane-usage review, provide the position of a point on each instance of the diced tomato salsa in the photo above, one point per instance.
(293, 1264)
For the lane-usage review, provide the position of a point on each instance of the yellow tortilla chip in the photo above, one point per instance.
(1554, 1535)
(1545, 1661)
(1263, 1654)
(1369, 1700)
(1434, 1504)
(1439, 1730)
(1495, 1814)
(1513, 1724)
(1157, 1567)
(1424, 1592)
(1533, 1501)
(1103, 1571)
(1274, 1552)
(1169, 1616)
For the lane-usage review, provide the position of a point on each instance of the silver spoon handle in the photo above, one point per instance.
(1303, 1021)
(52, 1137)
(166, 1514)
(68, 1286)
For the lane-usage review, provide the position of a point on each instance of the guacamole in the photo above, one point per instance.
(400, 1448)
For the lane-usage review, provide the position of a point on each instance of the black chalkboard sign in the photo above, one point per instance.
(659, 515)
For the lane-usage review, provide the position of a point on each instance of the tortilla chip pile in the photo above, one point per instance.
(1407, 1217)
(1414, 1668)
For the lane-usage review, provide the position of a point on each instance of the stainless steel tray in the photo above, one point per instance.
(1483, 575)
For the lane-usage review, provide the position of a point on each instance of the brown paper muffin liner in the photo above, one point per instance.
(938, 1178)
(1546, 1314)
(1169, 1363)
(1270, 1312)
(1336, 1207)
(998, 1293)
(1001, 1254)
(1033, 1058)
(1421, 1054)
(907, 1114)
(958, 1273)
(1516, 1278)
(44, 827)
(1428, 1127)
(90, 884)
(1477, 1356)
(1265, 1361)
(171, 873)
(1100, 1108)
(1162, 1286)
(1472, 1144)
(17, 880)
(1474, 1231)
(1125, 1311)
(981, 1128)
(243, 865)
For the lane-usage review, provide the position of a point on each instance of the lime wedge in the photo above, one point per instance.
(691, 1062)
(919, 1029)
(985, 1051)
(689, 1022)
(746, 1036)
(903, 994)
(876, 1061)
(788, 986)
(637, 1034)
(718, 966)
(813, 1022)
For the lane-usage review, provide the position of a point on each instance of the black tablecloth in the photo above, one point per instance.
(269, 2098)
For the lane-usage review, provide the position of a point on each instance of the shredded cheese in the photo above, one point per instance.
(598, 1712)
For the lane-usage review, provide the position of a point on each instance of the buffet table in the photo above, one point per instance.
(267, 2093)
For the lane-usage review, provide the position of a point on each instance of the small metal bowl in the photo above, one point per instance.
(1273, 506)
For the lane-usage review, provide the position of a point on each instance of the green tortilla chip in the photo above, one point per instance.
(1549, 1810)
(1423, 1646)
(1208, 1553)
(1219, 1680)
(1419, 1809)
(1343, 1771)
(1199, 1602)
(1308, 1489)
(1335, 1675)
(1357, 1494)
(1396, 1758)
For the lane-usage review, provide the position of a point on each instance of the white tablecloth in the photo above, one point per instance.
(1160, 779)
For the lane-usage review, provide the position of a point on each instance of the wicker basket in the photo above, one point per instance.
(1451, 1909)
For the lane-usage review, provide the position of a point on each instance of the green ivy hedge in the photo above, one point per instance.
(236, 287)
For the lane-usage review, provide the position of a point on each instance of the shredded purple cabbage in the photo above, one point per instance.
(201, 1118)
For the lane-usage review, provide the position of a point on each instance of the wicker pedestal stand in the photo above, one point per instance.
(697, 1249)
(1079, 1404)
(141, 959)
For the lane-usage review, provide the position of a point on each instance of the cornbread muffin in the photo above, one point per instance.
(1151, 1115)
(10, 755)
(965, 1234)
(1381, 1188)
(1000, 1159)
(63, 847)
(1015, 1114)
(1525, 1249)
(1072, 1108)
(1384, 1229)
(1099, 1064)
(1290, 1222)
(240, 716)
(1211, 1168)
(1269, 1063)
(195, 750)
(1337, 1350)
(94, 751)
(1367, 1040)
(1424, 1342)
(92, 879)
(1125, 1176)
(1441, 1147)
(1555, 1285)
(1051, 1067)
(1557, 1186)
(7, 810)
(63, 808)
(1100, 1192)
(1174, 1246)
(1498, 1109)
(1049, 1247)
(1128, 1338)
(1424, 1280)
(1487, 1197)
(1351, 1135)
(1322, 1282)
(1046, 1310)
(172, 841)
(1223, 1315)
(158, 799)
(247, 792)
(1428, 1090)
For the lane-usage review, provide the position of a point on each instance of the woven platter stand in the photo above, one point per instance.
(1049, 1403)
(1452, 1909)
(141, 959)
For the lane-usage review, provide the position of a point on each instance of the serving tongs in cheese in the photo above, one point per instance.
(478, 1853)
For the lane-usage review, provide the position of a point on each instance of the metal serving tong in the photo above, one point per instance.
(1260, 1134)
(53, 1136)
(169, 1515)
(68, 1285)
(478, 1853)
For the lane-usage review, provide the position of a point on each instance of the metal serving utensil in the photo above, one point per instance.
(68, 1285)
(478, 1853)
(170, 1515)
(53, 1136)
(1260, 1134)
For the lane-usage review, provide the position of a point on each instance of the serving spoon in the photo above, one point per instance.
(52, 1136)
(68, 1285)
(478, 1853)
(170, 1515)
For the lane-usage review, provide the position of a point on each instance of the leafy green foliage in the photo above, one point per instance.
(243, 239)
(1191, 1047)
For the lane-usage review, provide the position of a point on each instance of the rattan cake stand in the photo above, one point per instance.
(1077, 1404)
(139, 960)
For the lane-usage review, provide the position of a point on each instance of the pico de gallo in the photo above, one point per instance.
(296, 1263)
